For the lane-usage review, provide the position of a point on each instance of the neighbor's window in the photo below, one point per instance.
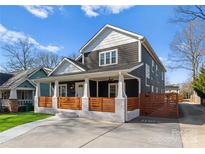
(108, 57)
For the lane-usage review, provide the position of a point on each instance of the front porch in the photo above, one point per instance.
(112, 98)
(21, 98)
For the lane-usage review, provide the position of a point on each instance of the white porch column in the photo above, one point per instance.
(55, 95)
(0, 94)
(13, 94)
(85, 98)
(121, 100)
(37, 94)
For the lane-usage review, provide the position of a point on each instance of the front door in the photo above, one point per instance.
(79, 86)
(63, 90)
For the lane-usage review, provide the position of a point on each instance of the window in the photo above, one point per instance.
(102, 59)
(108, 57)
(24, 94)
(156, 67)
(147, 71)
(162, 75)
(152, 65)
(152, 90)
(157, 90)
(113, 56)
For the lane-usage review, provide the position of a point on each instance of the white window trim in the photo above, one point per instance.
(152, 88)
(60, 91)
(110, 51)
(116, 90)
(76, 85)
(147, 77)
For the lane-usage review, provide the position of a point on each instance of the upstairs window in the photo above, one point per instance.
(163, 76)
(152, 65)
(108, 57)
(147, 71)
(102, 59)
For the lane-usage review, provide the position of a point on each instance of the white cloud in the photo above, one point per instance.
(95, 10)
(12, 36)
(39, 11)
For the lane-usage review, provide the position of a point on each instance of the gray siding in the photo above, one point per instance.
(155, 76)
(127, 55)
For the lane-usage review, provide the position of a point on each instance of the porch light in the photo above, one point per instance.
(72, 86)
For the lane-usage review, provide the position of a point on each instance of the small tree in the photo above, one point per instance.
(199, 83)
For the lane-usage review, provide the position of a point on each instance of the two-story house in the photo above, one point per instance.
(105, 81)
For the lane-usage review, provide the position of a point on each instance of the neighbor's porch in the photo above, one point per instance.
(23, 97)
(117, 93)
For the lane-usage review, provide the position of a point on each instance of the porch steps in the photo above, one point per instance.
(63, 114)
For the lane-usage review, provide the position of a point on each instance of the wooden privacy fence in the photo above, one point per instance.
(102, 104)
(159, 105)
(132, 103)
(45, 101)
(73, 103)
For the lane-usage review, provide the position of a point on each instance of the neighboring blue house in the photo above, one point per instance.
(18, 87)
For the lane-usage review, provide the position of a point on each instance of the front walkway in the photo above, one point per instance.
(192, 125)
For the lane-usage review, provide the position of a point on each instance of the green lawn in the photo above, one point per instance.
(10, 120)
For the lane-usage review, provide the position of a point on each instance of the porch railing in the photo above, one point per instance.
(132, 103)
(24, 102)
(102, 104)
(4, 102)
(73, 103)
(45, 101)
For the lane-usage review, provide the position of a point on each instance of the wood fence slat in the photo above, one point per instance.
(45, 101)
(132, 103)
(160, 105)
(73, 103)
(102, 104)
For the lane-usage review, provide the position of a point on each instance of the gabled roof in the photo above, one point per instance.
(134, 35)
(107, 26)
(19, 77)
(77, 64)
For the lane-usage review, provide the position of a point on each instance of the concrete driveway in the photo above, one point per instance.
(192, 125)
(79, 132)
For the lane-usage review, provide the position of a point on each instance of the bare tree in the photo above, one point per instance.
(47, 59)
(189, 13)
(188, 48)
(73, 55)
(19, 55)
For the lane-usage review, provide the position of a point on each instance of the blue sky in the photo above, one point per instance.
(65, 29)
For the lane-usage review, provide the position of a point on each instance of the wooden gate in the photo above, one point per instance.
(159, 105)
